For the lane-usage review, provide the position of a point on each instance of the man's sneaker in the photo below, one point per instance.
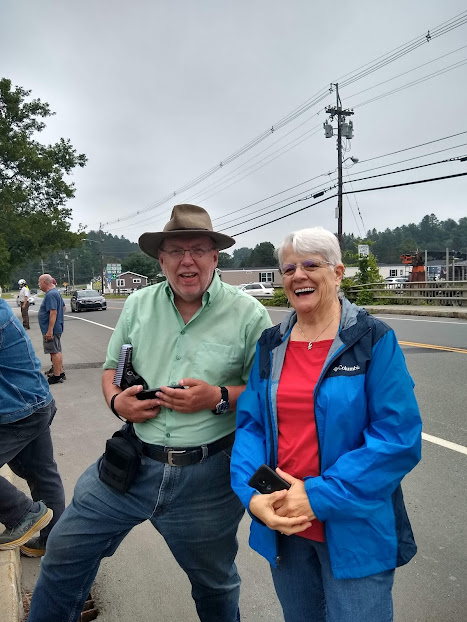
(34, 547)
(50, 372)
(54, 379)
(29, 525)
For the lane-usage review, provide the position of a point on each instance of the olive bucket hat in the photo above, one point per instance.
(186, 221)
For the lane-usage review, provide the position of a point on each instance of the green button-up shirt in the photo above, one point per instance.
(217, 345)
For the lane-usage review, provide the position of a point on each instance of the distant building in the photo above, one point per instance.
(272, 276)
(385, 270)
(269, 276)
(128, 282)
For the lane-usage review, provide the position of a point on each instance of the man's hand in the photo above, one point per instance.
(295, 502)
(134, 410)
(262, 506)
(198, 396)
(49, 335)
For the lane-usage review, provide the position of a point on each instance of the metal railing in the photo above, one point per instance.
(450, 293)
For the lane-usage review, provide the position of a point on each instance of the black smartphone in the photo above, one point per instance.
(265, 480)
(150, 394)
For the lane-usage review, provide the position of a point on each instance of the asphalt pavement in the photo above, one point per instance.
(142, 581)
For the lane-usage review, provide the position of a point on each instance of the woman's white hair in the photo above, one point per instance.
(310, 241)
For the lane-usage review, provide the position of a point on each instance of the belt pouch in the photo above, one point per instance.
(121, 460)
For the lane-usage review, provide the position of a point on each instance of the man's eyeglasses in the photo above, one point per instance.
(179, 253)
(309, 265)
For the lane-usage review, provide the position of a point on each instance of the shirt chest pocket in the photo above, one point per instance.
(214, 362)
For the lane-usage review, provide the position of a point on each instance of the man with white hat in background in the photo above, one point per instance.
(24, 300)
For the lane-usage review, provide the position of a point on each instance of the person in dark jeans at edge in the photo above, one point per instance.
(51, 323)
(198, 332)
(23, 297)
(27, 409)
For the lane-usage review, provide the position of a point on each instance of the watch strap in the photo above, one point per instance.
(224, 394)
(112, 407)
(223, 405)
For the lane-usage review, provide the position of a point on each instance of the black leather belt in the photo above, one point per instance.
(184, 456)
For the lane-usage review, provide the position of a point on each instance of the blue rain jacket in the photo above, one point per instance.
(369, 437)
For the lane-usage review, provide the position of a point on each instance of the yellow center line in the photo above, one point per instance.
(433, 347)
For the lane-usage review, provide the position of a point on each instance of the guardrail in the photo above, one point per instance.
(449, 293)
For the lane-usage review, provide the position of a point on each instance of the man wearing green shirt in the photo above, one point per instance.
(195, 331)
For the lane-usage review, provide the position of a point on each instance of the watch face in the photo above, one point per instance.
(222, 407)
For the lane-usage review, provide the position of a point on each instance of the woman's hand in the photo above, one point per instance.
(262, 506)
(295, 502)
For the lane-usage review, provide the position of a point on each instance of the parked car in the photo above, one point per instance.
(258, 290)
(397, 283)
(31, 298)
(396, 279)
(85, 299)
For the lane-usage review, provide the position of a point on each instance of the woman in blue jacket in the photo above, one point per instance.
(330, 405)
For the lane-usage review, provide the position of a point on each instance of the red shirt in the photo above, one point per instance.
(297, 442)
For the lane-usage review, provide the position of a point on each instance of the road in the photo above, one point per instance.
(143, 583)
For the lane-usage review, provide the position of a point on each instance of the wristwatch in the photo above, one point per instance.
(224, 404)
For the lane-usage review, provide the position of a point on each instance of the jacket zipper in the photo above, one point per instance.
(320, 380)
(272, 457)
(271, 427)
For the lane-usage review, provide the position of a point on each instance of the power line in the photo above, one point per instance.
(434, 74)
(404, 49)
(430, 142)
(268, 207)
(354, 191)
(410, 183)
(371, 67)
(404, 73)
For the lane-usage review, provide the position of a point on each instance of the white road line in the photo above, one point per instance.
(409, 319)
(73, 317)
(440, 441)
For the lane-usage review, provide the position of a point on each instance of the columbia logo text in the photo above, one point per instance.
(345, 368)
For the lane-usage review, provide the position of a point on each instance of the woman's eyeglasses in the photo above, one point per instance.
(309, 265)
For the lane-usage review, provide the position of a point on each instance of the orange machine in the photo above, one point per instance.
(418, 270)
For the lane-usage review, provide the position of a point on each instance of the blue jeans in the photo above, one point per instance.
(26, 446)
(192, 507)
(309, 593)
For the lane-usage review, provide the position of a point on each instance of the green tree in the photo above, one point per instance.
(239, 255)
(225, 260)
(33, 190)
(262, 256)
(141, 264)
(368, 271)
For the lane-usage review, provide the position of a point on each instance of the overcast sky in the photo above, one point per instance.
(159, 92)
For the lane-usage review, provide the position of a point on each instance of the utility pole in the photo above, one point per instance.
(73, 274)
(344, 130)
(102, 261)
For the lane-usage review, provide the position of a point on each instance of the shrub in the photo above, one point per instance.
(365, 297)
(279, 300)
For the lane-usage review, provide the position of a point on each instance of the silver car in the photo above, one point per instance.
(258, 290)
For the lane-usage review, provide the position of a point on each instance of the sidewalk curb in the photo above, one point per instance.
(451, 312)
(11, 602)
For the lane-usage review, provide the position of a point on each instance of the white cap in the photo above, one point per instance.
(21, 282)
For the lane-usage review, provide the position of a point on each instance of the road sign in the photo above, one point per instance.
(113, 269)
(363, 250)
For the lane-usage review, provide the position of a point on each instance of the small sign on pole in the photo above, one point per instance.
(363, 250)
